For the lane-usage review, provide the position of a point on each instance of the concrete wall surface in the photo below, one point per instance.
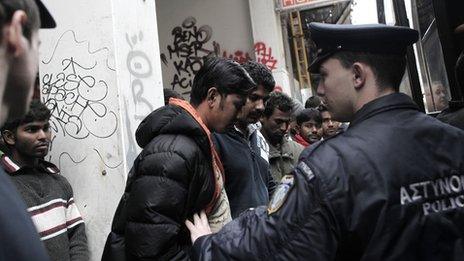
(100, 75)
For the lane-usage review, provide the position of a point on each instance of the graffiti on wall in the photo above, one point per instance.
(189, 46)
(191, 43)
(262, 52)
(76, 91)
(75, 96)
(140, 68)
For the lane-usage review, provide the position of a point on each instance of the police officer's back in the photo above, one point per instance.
(391, 187)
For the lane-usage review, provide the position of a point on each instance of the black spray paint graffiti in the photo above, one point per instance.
(75, 96)
(140, 67)
(187, 51)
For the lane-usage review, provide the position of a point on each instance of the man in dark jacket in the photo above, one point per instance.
(19, 24)
(178, 172)
(243, 149)
(391, 187)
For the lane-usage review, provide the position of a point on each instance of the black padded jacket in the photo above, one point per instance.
(171, 179)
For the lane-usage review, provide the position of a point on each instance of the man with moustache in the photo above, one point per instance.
(179, 171)
(309, 127)
(330, 127)
(283, 151)
(243, 149)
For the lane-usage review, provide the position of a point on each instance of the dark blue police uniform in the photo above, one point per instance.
(391, 187)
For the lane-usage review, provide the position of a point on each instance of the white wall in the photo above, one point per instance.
(364, 12)
(100, 74)
(221, 25)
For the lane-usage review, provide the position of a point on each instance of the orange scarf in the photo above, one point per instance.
(218, 169)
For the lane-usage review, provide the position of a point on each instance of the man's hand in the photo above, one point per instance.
(199, 227)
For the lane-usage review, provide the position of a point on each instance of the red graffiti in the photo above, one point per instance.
(238, 56)
(262, 52)
(264, 55)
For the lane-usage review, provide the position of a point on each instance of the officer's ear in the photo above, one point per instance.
(359, 74)
(9, 137)
(16, 42)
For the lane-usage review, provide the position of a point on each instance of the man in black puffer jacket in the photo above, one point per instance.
(178, 172)
(391, 187)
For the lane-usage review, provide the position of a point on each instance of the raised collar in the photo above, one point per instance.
(385, 103)
(281, 150)
(12, 167)
(251, 128)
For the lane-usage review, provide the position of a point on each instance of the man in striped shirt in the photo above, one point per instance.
(48, 195)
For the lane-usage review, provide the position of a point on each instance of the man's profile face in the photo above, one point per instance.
(276, 126)
(20, 79)
(440, 96)
(329, 126)
(32, 139)
(336, 89)
(226, 110)
(311, 131)
(253, 109)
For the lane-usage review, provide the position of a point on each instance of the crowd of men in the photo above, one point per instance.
(238, 172)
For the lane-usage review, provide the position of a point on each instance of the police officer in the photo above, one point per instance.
(391, 187)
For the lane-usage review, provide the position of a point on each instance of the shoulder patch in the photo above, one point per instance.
(306, 170)
(280, 194)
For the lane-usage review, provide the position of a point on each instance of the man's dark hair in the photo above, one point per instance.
(309, 114)
(388, 69)
(37, 112)
(260, 74)
(322, 108)
(312, 102)
(8, 7)
(170, 93)
(227, 76)
(277, 100)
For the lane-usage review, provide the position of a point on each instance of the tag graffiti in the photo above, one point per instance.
(435, 195)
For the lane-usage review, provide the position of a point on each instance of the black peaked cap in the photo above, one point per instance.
(369, 38)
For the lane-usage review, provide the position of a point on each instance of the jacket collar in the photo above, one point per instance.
(12, 167)
(385, 103)
(281, 150)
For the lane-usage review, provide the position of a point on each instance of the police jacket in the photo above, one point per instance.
(248, 180)
(171, 179)
(18, 234)
(391, 187)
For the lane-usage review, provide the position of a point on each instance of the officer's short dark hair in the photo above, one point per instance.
(388, 69)
(277, 100)
(37, 112)
(9, 7)
(309, 114)
(312, 102)
(260, 74)
(227, 76)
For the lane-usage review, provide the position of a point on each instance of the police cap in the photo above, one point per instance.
(372, 38)
(46, 18)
